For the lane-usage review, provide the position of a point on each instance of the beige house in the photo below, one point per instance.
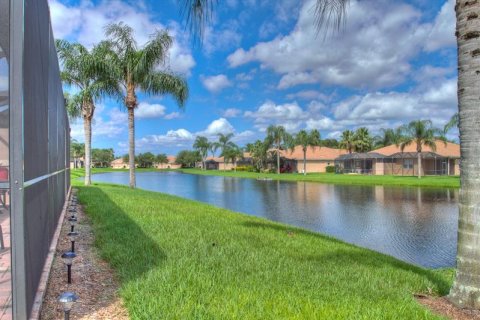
(218, 163)
(317, 158)
(171, 164)
(119, 164)
(391, 160)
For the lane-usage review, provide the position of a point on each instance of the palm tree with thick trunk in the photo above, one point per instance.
(307, 139)
(347, 140)
(421, 133)
(136, 69)
(202, 145)
(224, 142)
(279, 139)
(87, 72)
(465, 291)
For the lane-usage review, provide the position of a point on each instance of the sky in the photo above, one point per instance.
(262, 62)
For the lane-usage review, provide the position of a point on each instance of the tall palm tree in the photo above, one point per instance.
(135, 69)
(161, 158)
(202, 145)
(279, 139)
(421, 133)
(363, 140)
(224, 142)
(388, 137)
(232, 153)
(347, 140)
(87, 72)
(465, 291)
(307, 139)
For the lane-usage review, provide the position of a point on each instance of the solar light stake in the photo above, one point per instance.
(68, 259)
(67, 299)
(72, 235)
(72, 221)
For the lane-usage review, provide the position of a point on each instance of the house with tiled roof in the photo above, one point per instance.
(391, 160)
(317, 158)
(171, 164)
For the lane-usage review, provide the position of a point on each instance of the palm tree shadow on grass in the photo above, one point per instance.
(354, 256)
(121, 242)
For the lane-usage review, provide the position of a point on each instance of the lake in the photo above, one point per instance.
(416, 225)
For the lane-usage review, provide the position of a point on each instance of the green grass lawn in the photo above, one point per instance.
(428, 181)
(181, 259)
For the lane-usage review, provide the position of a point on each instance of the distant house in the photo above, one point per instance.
(218, 163)
(317, 158)
(119, 164)
(76, 163)
(391, 160)
(171, 164)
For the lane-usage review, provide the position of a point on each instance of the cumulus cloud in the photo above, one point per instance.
(84, 22)
(105, 124)
(442, 33)
(232, 112)
(362, 56)
(290, 115)
(216, 83)
(146, 110)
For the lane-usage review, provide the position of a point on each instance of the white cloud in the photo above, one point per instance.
(232, 112)
(85, 23)
(216, 83)
(110, 125)
(442, 33)
(218, 126)
(309, 95)
(362, 56)
(147, 110)
(290, 115)
(221, 38)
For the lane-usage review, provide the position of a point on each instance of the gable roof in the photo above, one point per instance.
(316, 153)
(451, 150)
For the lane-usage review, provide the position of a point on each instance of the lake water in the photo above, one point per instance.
(417, 225)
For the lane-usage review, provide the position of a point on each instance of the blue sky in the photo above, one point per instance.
(262, 63)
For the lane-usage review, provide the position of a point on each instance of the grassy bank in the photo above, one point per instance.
(428, 181)
(180, 259)
(77, 173)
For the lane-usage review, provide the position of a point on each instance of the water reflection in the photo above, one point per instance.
(413, 224)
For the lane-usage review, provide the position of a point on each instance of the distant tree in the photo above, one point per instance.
(329, 143)
(102, 157)
(278, 139)
(232, 154)
(363, 141)
(347, 140)
(388, 137)
(161, 158)
(145, 160)
(307, 139)
(421, 133)
(224, 142)
(259, 154)
(188, 159)
(202, 145)
(77, 150)
(125, 158)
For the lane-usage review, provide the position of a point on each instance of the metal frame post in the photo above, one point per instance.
(16, 145)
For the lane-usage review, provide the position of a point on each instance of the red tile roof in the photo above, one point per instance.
(449, 149)
(316, 153)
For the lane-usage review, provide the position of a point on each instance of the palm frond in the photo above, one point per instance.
(330, 13)
(159, 83)
(153, 53)
(197, 14)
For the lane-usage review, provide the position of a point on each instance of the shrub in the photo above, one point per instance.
(330, 169)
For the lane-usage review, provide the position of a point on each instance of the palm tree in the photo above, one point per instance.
(161, 158)
(202, 145)
(224, 142)
(307, 139)
(347, 140)
(388, 137)
(422, 133)
(259, 153)
(452, 123)
(232, 153)
(135, 69)
(279, 139)
(86, 71)
(77, 150)
(465, 291)
(363, 140)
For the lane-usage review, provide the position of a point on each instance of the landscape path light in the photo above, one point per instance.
(67, 299)
(72, 236)
(68, 260)
(72, 221)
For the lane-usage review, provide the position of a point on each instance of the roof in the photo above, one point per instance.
(246, 155)
(117, 161)
(171, 159)
(451, 150)
(315, 153)
(365, 155)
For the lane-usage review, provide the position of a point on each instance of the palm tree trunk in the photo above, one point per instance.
(419, 164)
(304, 162)
(131, 147)
(87, 127)
(465, 291)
